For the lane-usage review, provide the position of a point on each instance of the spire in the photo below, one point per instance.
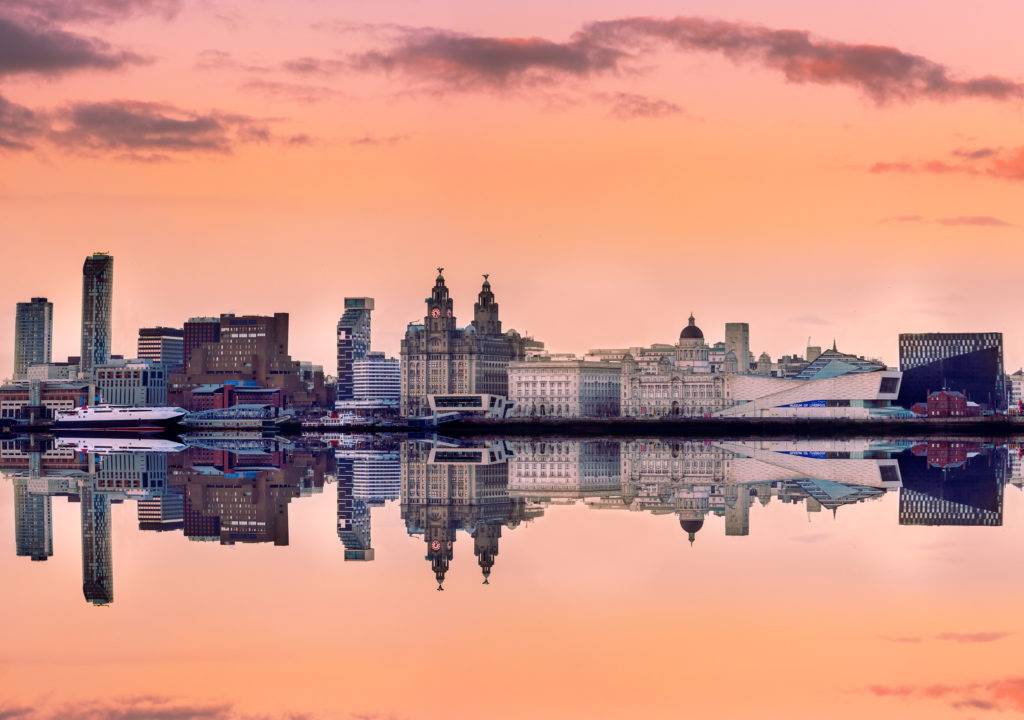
(834, 345)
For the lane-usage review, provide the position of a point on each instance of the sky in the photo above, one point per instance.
(842, 170)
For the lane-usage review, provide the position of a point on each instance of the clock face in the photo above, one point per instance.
(435, 313)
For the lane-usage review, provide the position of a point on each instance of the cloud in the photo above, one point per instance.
(301, 139)
(974, 220)
(386, 141)
(140, 708)
(19, 126)
(107, 11)
(300, 92)
(630, 105)
(810, 320)
(903, 219)
(998, 163)
(465, 62)
(139, 128)
(30, 46)
(906, 639)
(212, 59)
(980, 637)
(1004, 694)
(10, 712)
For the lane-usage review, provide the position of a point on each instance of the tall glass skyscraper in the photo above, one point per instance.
(33, 335)
(353, 341)
(97, 290)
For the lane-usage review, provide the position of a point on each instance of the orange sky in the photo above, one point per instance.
(610, 180)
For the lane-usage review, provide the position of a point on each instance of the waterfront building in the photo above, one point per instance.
(562, 469)
(230, 394)
(377, 377)
(860, 395)
(969, 362)
(165, 511)
(448, 487)
(250, 349)
(163, 345)
(97, 298)
(137, 383)
(569, 388)
(353, 342)
(97, 557)
(33, 335)
(953, 483)
(833, 363)
(439, 358)
(18, 399)
(33, 522)
(52, 371)
(737, 341)
(1016, 386)
(196, 332)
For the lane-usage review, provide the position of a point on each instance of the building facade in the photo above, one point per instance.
(33, 335)
(564, 388)
(53, 371)
(440, 358)
(353, 342)
(969, 362)
(163, 345)
(197, 331)
(737, 341)
(136, 383)
(97, 299)
(377, 377)
(1016, 384)
(251, 350)
(51, 397)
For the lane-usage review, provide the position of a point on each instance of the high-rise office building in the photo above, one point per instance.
(33, 335)
(353, 341)
(33, 522)
(162, 345)
(376, 377)
(737, 340)
(97, 559)
(198, 330)
(97, 294)
(969, 362)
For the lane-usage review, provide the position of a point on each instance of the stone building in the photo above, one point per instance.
(440, 358)
(564, 388)
(676, 380)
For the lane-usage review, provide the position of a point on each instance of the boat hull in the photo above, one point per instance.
(149, 425)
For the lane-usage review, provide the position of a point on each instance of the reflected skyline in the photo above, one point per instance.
(241, 492)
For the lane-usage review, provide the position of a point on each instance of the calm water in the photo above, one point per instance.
(581, 579)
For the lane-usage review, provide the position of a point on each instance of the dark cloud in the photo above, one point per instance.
(30, 46)
(630, 105)
(979, 637)
(19, 127)
(458, 61)
(10, 712)
(976, 221)
(99, 10)
(141, 128)
(467, 62)
(883, 73)
(299, 140)
(976, 154)
(142, 708)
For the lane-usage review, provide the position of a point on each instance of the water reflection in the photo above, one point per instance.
(229, 492)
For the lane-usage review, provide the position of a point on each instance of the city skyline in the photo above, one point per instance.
(856, 204)
(131, 334)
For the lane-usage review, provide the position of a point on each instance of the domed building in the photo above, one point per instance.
(675, 381)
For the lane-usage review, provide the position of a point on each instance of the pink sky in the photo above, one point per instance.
(853, 184)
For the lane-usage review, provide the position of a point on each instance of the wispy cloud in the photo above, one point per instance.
(1003, 694)
(371, 140)
(998, 163)
(981, 221)
(106, 11)
(978, 637)
(143, 707)
(626, 106)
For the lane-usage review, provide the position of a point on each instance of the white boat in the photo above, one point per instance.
(105, 446)
(345, 419)
(119, 418)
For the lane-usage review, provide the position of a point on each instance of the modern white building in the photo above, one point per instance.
(574, 388)
(1016, 390)
(138, 383)
(859, 396)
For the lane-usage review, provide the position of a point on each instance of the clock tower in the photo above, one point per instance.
(440, 318)
(485, 311)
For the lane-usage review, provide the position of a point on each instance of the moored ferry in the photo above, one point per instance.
(119, 418)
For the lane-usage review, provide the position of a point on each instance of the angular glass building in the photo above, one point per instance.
(97, 293)
(969, 362)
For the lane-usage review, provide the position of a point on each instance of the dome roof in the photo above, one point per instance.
(691, 526)
(691, 331)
